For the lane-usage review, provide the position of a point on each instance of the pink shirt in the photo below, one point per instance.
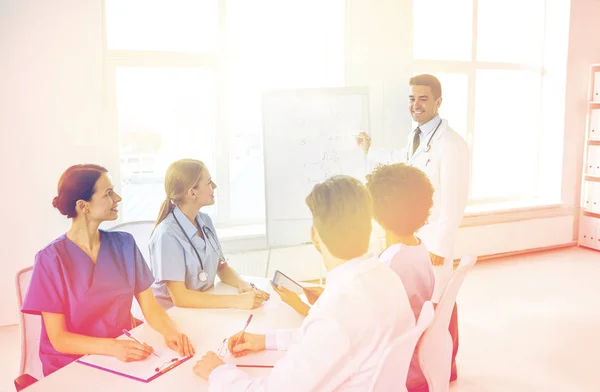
(413, 265)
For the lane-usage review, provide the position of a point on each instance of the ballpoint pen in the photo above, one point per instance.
(221, 348)
(243, 330)
(129, 335)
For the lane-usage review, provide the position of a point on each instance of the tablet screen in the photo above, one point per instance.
(283, 280)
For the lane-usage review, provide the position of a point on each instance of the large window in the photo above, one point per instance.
(490, 57)
(188, 77)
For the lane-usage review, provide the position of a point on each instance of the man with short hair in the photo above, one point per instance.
(343, 338)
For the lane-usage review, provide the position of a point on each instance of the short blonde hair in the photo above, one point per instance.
(342, 211)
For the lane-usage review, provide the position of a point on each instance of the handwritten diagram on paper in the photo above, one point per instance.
(309, 138)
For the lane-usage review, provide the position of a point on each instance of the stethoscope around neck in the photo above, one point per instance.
(428, 146)
(207, 232)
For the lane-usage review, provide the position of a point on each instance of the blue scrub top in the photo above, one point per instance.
(94, 298)
(172, 258)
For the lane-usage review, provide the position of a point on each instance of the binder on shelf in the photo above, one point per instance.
(587, 231)
(593, 161)
(596, 94)
(594, 125)
(589, 164)
(596, 243)
(591, 201)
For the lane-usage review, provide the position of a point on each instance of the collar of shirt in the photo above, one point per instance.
(350, 268)
(388, 254)
(429, 126)
(189, 228)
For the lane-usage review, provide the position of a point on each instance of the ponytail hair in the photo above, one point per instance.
(181, 176)
(165, 209)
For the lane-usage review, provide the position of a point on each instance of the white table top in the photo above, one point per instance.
(206, 329)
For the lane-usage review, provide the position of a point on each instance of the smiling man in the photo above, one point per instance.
(443, 155)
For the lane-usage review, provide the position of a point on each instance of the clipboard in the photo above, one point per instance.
(144, 371)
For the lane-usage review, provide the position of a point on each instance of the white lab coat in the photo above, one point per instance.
(341, 341)
(447, 164)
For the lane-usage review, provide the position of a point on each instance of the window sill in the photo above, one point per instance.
(253, 237)
(509, 206)
(514, 211)
(242, 232)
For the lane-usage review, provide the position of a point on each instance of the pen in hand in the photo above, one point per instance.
(221, 348)
(129, 335)
(243, 330)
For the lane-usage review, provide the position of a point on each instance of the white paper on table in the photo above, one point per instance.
(144, 370)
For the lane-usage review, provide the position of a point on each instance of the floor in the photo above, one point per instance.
(527, 323)
(531, 323)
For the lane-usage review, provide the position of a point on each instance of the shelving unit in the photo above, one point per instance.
(589, 220)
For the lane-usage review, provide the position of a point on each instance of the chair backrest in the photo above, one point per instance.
(140, 231)
(435, 348)
(393, 369)
(30, 326)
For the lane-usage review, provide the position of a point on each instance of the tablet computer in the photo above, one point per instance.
(282, 279)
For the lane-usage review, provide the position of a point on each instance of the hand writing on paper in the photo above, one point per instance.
(247, 287)
(246, 343)
(209, 362)
(179, 342)
(292, 299)
(130, 350)
(436, 260)
(248, 300)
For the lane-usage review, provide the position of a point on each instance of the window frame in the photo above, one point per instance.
(115, 59)
(470, 68)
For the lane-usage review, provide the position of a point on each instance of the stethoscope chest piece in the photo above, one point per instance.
(203, 276)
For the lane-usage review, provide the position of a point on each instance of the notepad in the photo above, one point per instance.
(144, 371)
(265, 358)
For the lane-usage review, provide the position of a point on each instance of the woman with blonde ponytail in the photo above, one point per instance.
(185, 253)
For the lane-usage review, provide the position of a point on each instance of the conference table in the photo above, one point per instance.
(206, 329)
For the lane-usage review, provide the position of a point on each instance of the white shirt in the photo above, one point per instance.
(341, 341)
(428, 128)
(447, 166)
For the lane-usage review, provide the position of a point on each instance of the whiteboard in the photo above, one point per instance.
(309, 135)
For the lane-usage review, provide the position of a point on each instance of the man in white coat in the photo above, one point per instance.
(361, 311)
(443, 155)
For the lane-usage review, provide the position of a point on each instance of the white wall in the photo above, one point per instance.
(51, 117)
(50, 111)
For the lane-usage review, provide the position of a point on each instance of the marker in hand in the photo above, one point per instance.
(129, 335)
